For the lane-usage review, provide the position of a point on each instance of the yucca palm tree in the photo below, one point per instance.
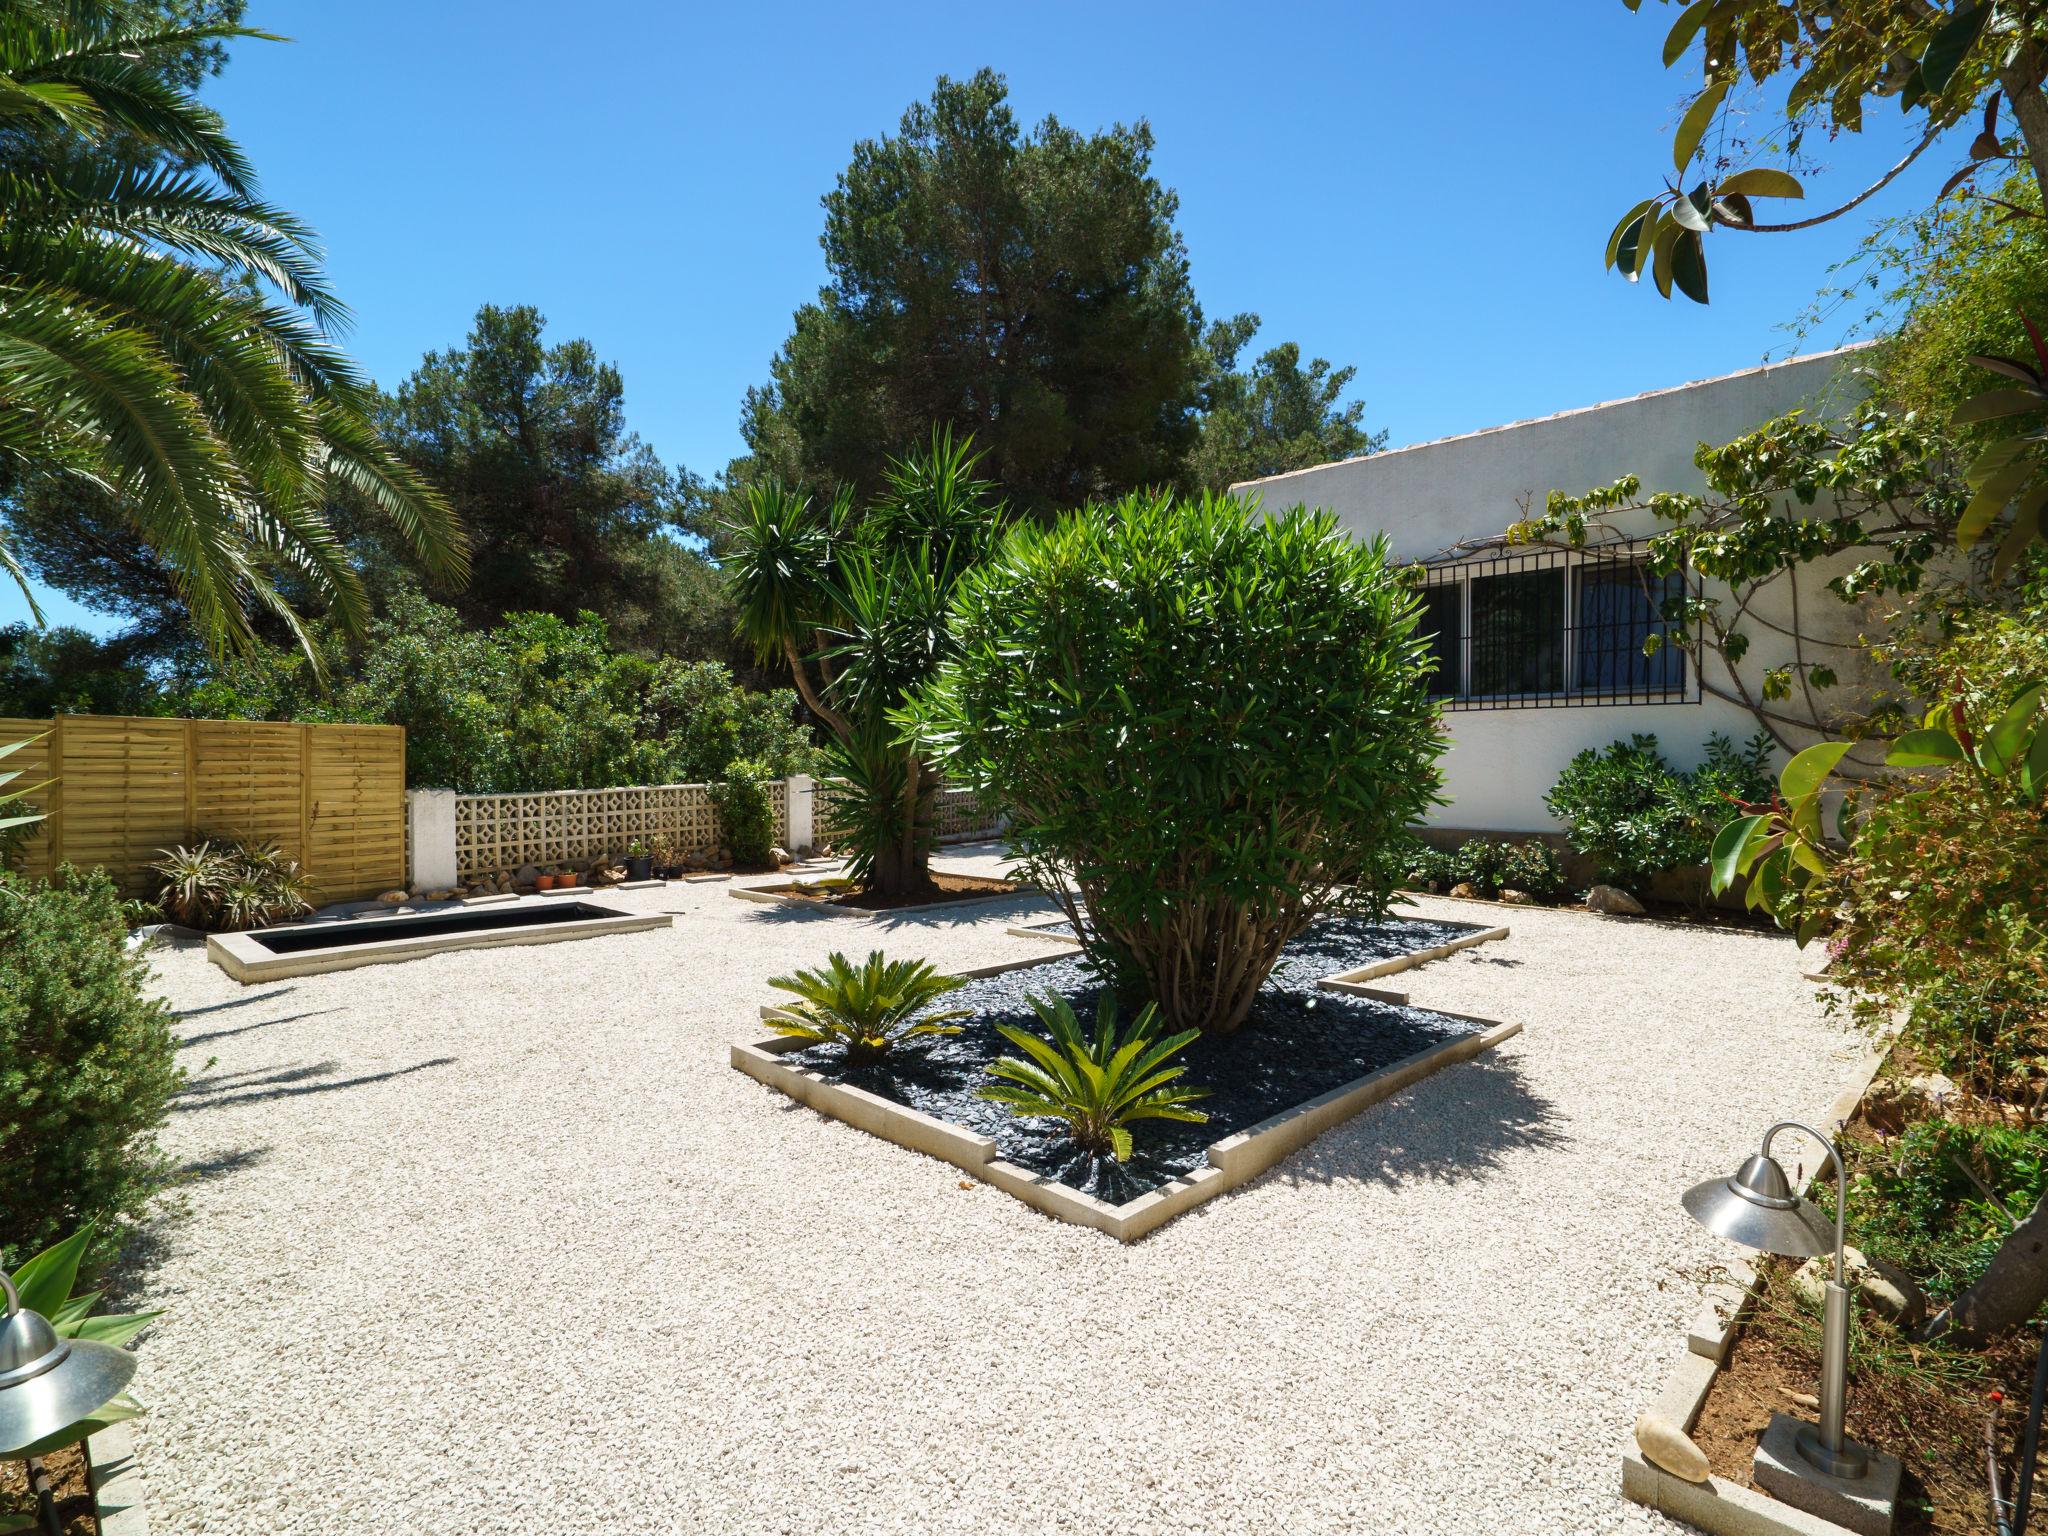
(167, 336)
(857, 605)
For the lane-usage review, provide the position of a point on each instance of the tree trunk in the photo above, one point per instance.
(2006, 1295)
(2022, 86)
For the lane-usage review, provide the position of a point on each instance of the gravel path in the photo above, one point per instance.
(497, 1242)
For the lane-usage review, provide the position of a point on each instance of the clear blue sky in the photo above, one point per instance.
(1420, 190)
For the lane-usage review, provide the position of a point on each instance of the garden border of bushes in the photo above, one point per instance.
(1233, 1160)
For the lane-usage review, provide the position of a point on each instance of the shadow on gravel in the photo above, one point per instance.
(233, 1002)
(243, 1029)
(254, 1087)
(221, 1164)
(1457, 1125)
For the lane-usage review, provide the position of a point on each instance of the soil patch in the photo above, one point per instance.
(943, 887)
(1299, 1042)
(1925, 1405)
(67, 1470)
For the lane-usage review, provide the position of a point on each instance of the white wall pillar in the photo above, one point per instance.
(430, 825)
(803, 828)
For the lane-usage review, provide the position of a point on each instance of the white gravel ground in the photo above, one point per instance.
(497, 1242)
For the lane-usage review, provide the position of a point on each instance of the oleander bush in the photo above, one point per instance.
(1636, 816)
(1213, 723)
(745, 812)
(88, 1065)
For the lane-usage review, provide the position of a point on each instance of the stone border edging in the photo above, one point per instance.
(1233, 1160)
(116, 1479)
(247, 961)
(1719, 1506)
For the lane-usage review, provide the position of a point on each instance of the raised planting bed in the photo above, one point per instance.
(300, 949)
(839, 894)
(96, 1485)
(1309, 1058)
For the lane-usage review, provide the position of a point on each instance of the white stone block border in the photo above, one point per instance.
(116, 1479)
(1233, 1160)
(242, 957)
(1717, 1506)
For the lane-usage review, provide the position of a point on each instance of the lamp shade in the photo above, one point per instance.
(1757, 1209)
(46, 1383)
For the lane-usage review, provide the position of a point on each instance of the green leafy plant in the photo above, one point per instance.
(745, 813)
(1424, 867)
(858, 603)
(14, 817)
(1097, 1085)
(88, 1065)
(231, 886)
(1209, 728)
(1941, 1199)
(867, 1009)
(1636, 816)
(46, 1283)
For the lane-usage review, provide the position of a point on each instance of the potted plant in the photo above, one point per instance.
(543, 882)
(668, 864)
(639, 860)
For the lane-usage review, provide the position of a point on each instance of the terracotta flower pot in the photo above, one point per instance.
(544, 882)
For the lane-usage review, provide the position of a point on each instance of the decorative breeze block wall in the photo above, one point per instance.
(496, 834)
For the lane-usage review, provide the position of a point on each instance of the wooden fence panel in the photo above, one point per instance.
(332, 796)
(355, 809)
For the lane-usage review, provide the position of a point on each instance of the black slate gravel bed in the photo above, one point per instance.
(1298, 1043)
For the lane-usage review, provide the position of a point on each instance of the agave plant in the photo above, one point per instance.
(867, 1009)
(45, 1283)
(192, 881)
(1097, 1086)
(11, 820)
(241, 885)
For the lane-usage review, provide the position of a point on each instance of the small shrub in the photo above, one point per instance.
(1211, 722)
(868, 1010)
(227, 887)
(87, 1066)
(745, 812)
(1636, 816)
(1423, 867)
(1099, 1086)
(1492, 866)
(1913, 1204)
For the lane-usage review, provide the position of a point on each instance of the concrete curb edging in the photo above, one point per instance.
(116, 1479)
(1719, 1506)
(1233, 1160)
(248, 961)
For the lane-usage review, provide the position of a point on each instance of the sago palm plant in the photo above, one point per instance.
(1097, 1086)
(867, 1009)
(165, 334)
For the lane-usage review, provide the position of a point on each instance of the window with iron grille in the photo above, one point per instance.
(1549, 628)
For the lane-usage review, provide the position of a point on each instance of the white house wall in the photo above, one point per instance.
(1430, 497)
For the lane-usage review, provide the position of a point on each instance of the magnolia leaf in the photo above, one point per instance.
(1689, 265)
(1618, 242)
(2026, 527)
(1994, 403)
(1997, 488)
(1928, 748)
(1684, 30)
(1807, 857)
(1729, 844)
(1693, 126)
(1762, 181)
(1951, 43)
(1688, 215)
(2011, 367)
(1660, 256)
(2034, 771)
(1810, 927)
(2007, 738)
(1654, 223)
(1732, 209)
(1809, 769)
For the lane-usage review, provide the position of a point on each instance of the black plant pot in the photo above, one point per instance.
(640, 868)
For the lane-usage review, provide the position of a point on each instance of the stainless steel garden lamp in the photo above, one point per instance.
(1758, 1209)
(48, 1383)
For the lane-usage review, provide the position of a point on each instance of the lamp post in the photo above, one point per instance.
(47, 1384)
(1757, 1208)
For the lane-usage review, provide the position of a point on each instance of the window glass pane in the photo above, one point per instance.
(1619, 607)
(1518, 633)
(1443, 619)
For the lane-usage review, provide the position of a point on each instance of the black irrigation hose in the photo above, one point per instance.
(2014, 1522)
